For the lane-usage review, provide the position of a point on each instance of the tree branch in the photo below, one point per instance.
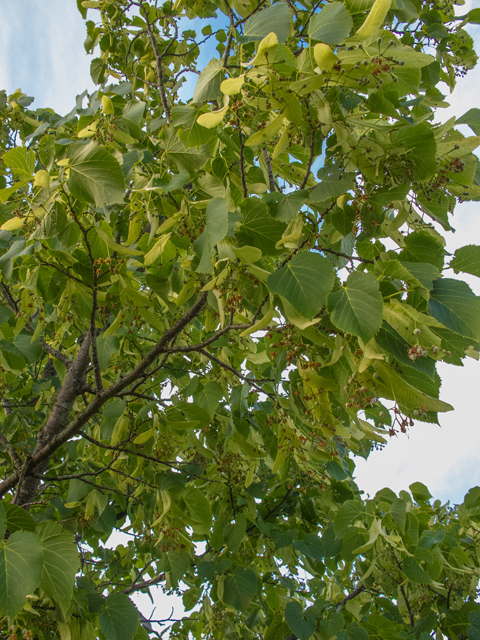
(158, 59)
(271, 178)
(58, 430)
(56, 353)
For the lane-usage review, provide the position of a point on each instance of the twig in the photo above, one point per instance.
(271, 178)
(17, 461)
(237, 373)
(340, 254)
(409, 608)
(351, 596)
(242, 160)
(158, 59)
(309, 163)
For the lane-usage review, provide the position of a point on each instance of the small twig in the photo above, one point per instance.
(242, 160)
(237, 373)
(351, 596)
(17, 461)
(340, 254)
(271, 178)
(409, 608)
(158, 59)
(309, 163)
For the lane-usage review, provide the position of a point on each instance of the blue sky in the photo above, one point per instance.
(41, 51)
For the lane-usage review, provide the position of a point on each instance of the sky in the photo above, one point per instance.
(41, 52)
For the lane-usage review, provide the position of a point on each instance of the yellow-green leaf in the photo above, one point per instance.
(212, 119)
(157, 250)
(262, 136)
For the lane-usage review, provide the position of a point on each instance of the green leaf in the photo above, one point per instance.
(240, 588)
(357, 308)
(420, 142)
(60, 562)
(18, 519)
(132, 118)
(422, 247)
(31, 351)
(21, 161)
(20, 570)
(198, 507)
(358, 6)
(420, 492)
(472, 498)
(209, 81)
(234, 533)
(414, 572)
(114, 246)
(301, 624)
(216, 226)
(12, 356)
(3, 519)
(275, 18)
(95, 175)
(258, 228)
(467, 259)
(472, 118)
(304, 282)
(277, 629)
(311, 545)
(350, 511)
(331, 25)
(393, 386)
(454, 304)
(119, 619)
(334, 183)
(473, 629)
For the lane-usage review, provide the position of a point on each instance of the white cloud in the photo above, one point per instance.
(41, 46)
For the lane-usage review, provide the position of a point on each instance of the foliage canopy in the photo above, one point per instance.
(213, 300)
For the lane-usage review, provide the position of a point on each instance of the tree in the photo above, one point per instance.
(210, 305)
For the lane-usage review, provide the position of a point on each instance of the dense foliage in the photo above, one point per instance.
(212, 300)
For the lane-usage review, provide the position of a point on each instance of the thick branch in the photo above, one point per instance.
(56, 353)
(57, 431)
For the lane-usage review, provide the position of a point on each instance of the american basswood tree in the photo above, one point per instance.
(213, 300)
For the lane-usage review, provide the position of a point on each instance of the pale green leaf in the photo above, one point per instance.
(21, 161)
(275, 18)
(331, 25)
